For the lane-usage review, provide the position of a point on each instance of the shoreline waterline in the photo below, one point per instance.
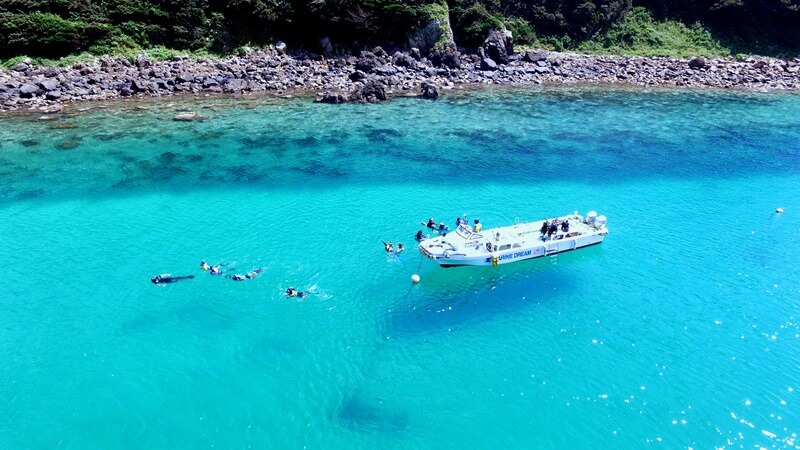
(203, 101)
(50, 89)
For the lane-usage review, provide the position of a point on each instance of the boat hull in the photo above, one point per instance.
(521, 254)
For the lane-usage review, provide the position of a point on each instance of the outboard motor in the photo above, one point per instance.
(600, 222)
(591, 216)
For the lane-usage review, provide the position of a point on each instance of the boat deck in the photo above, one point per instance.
(464, 241)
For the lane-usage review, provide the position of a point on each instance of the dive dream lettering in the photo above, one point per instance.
(517, 254)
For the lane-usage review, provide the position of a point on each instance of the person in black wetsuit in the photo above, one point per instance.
(545, 227)
(292, 292)
(431, 224)
(254, 273)
(166, 278)
(419, 237)
(565, 226)
(248, 275)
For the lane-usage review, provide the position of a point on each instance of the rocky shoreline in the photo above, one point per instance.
(374, 75)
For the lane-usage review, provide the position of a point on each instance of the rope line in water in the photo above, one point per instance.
(421, 257)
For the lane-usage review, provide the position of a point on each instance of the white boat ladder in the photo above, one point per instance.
(552, 252)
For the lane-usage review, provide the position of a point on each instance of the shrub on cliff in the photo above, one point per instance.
(640, 34)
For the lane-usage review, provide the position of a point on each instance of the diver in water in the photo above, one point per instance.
(166, 278)
(431, 224)
(248, 276)
(388, 247)
(254, 272)
(419, 237)
(400, 247)
(292, 292)
(204, 265)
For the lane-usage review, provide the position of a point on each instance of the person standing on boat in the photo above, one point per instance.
(553, 228)
(442, 229)
(545, 227)
(477, 228)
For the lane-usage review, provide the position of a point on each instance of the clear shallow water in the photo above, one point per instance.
(681, 330)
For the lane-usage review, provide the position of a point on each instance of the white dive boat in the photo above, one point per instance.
(465, 247)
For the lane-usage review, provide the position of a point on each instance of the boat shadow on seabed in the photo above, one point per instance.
(478, 300)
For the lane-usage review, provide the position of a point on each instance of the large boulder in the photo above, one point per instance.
(698, 63)
(331, 97)
(371, 92)
(142, 61)
(48, 85)
(28, 90)
(21, 67)
(446, 56)
(532, 56)
(138, 85)
(429, 91)
(499, 45)
(367, 62)
(434, 31)
(358, 75)
(403, 60)
(379, 52)
(488, 64)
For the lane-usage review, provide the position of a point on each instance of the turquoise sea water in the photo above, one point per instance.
(679, 331)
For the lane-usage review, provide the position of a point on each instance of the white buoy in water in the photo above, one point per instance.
(415, 278)
(779, 210)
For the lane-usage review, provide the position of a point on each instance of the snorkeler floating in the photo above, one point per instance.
(166, 278)
(248, 276)
(213, 270)
(292, 292)
(390, 248)
(217, 270)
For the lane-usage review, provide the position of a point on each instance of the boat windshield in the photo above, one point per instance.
(464, 231)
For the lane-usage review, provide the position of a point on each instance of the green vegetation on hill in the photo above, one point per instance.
(53, 29)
